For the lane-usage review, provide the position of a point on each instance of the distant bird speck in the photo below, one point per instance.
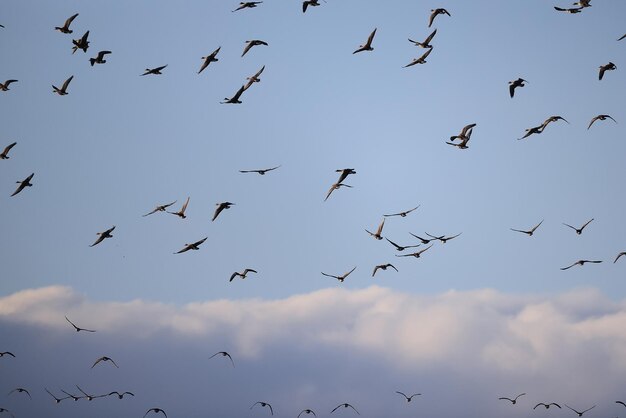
(408, 398)
(78, 328)
(156, 411)
(514, 400)
(383, 267)
(345, 405)
(579, 230)
(20, 390)
(579, 413)
(224, 354)
(260, 171)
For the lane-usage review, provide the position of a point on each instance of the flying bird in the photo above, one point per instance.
(420, 60)
(443, 238)
(464, 140)
(307, 411)
(426, 42)
(423, 240)
(408, 398)
(5, 86)
(261, 171)
(600, 117)
(579, 230)
(121, 395)
(66, 27)
(345, 405)
(251, 43)
(21, 390)
(403, 214)
(103, 235)
(607, 67)
(340, 278)
(247, 5)
(7, 411)
(368, 45)
(181, 212)
(514, 400)
(5, 153)
(212, 57)
(155, 71)
(24, 183)
(99, 59)
(78, 328)
(378, 231)
(104, 358)
(580, 263)
(88, 396)
(383, 267)
(69, 395)
(531, 231)
(531, 131)
(620, 402)
(547, 405)
(416, 254)
(156, 411)
(307, 3)
(235, 98)
(334, 187)
(254, 79)
(264, 404)
(57, 400)
(434, 13)
(63, 90)
(515, 84)
(583, 3)
(7, 353)
(224, 354)
(160, 208)
(194, 246)
(580, 414)
(463, 134)
(572, 10)
(242, 274)
(617, 258)
(220, 208)
(344, 173)
(552, 119)
(400, 247)
(81, 43)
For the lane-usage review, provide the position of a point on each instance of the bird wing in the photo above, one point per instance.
(67, 83)
(430, 37)
(617, 258)
(620, 402)
(84, 38)
(370, 38)
(588, 409)
(593, 120)
(392, 266)
(380, 227)
(375, 270)
(246, 271)
(8, 148)
(329, 275)
(101, 54)
(348, 273)
(587, 223)
(432, 17)
(333, 187)
(232, 276)
(247, 48)
(537, 226)
(565, 268)
(259, 72)
(427, 53)
(394, 244)
(69, 21)
(184, 208)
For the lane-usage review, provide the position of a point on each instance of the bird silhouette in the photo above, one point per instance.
(515, 84)
(57, 400)
(63, 90)
(621, 403)
(383, 267)
(88, 396)
(193, 246)
(607, 67)
(66, 27)
(78, 328)
(220, 208)
(572, 10)
(181, 212)
(463, 134)
(22, 184)
(261, 171)
(580, 414)
(243, 274)
(69, 395)
(307, 411)
(81, 43)
(307, 3)
(408, 398)
(121, 395)
(378, 231)
(368, 44)
(344, 405)
(104, 358)
(443, 238)
(20, 390)
(264, 404)
(434, 13)
(103, 235)
(600, 117)
(514, 400)
(252, 43)
(579, 230)
(532, 131)
(420, 60)
(547, 405)
(6, 353)
(154, 71)
(235, 98)
(403, 214)
(223, 354)
(552, 119)
(160, 208)
(464, 140)
(400, 247)
(423, 240)
(416, 254)
(212, 57)
(344, 173)
(621, 37)
(617, 258)
(334, 187)
(99, 59)
(156, 411)
(253, 79)
(426, 42)
(5, 86)
(340, 278)
(580, 263)
(247, 5)
(531, 231)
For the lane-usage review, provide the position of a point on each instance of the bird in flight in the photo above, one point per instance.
(572, 10)
(344, 405)
(103, 235)
(334, 187)
(552, 119)
(434, 13)
(344, 173)
(423, 240)
(81, 43)
(368, 45)
(7, 411)
(400, 247)
(247, 5)
(261, 171)
(579, 230)
(464, 140)
(408, 398)
(420, 60)
(63, 90)
(242, 274)
(57, 400)
(251, 43)
(220, 208)
(600, 117)
(547, 405)
(514, 400)
(121, 395)
(104, 358)
(580, 263)
(160, 208)
(426, 42)
(383, 267)
(307, 411)
(264, 404)
(416, 254)
(307, 3)
(5, 86)
(531, 231)
(621, 403)
(378, 231)
(254, 79)
(515, 84)
(156, 411)
(403, 214)
(88, 396)
(617, 258)
(531, 131)
(583, 3)
(579, 413)
(193, 246)
(181, 212)
(223, 354)
(7, 353)
(24, 183)
(99, 59)
(21, 390)
(443, 238)
(463, 134)
(235, 98)
(607, 67)
(212, 57)
(155, 71)
(66, 27)
(78, 328)
(342, 277)
(5, 153)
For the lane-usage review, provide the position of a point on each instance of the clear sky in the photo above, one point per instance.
(492, 304)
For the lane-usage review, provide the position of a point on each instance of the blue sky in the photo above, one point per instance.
(119, 144)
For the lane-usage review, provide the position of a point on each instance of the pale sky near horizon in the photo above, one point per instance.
(119, 144)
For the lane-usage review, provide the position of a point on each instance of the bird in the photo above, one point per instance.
(194, 246)
(57, 400)
(403, 214)
(63, 90)
(7, 411)
(78, 328)
(220, 208)
(416, 254)
(531, 131)
(426, 42)
(552, 119)
(420, 60)
(344, 173)
(345, 405)
(617, 258)
(247, 5)
(235, 98)
(99, 59)
(254, 79)
(383, 267)
(378, 231)
(181, 212)
(514, 84)
(264, 404)
(5, 153)
(335, 186)
(580, 263)
(443, 238)
(464, 140)
(224, 354)
(408, 398)
(66, 27)
(368, 45)
(579, 230)
(155, 71)
(156, 411)
(104, 358)
(81, 43)
(69, 395)
(7, 353)
(434, 13)
(209, 59)
(88, 396)
(307, 3)
(607, 67)
(399, 247)
(600, 117)
(159, 208)
(121, 395)
(583, 3)
(463, 134)
(242, 274)
(423, 240)
(531, 231)
(514, 400)
(21, 390)
(5, 86)
(572, 10)
(251, 43)
(580, 414)
(261, 171)
(307, 411)
(103, 235)
(340, 278)
(620, 402)
(547, 405)
(24, 183)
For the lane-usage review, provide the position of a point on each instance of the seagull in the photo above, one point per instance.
(63, 90)
(121, 395)
(442, 238)
(378, 231)
(58, 400)
(580, 263)
(345, 405)
(160, 208)
(247, 5)
(416, 254)
(547, 405)
(340, 278)
(254, 79)
(399, 247)
(66, 27)
(5, 153)
(344, 172)
(434, 13)
(426, 42)
(607, 67)
(335, 187)
(5, 86)
(99, 59)
(420, 60)
(307, 411)
(154, 71)
(514, 84)
(403, 214)
(579, 230)
(529, 232)
(103, 235)
(552, 119)
(242, 275)
(250, 44)
(78, 328)
(571, 10)
(209, 59)
(24, 183)
(181, 212)
(383, 267)
(21, 390)
(531, 131)
(81, 43)
(224, 354)
(235, 98)
(264, 404)
(89, 397)
(617, 258)
(193, 246)
(514, 400)
(368, 45)
(104, 358)
(424, 240)
(307, 3)
(156, 411)
(408, 398)
(220, 208)
(580, 414)
(463, 134)
(8, 353)
(600, 117)
(261, 171)
(464, 140)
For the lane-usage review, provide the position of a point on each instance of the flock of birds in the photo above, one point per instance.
(428, 241)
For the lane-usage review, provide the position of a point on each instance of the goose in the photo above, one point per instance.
(307, 3)
(572, 10)
(464, 140)
(66, 27)
(57, 400)
(515, 84)
(368, 45)
(580, 263)
(103, 235)
(247, 5)
(242, 274)
(400, 247)
(24, 183)
(5, 153)
(463, 134)
(99, 59)
(78, 328)
(63, 90)
(600, 117)
(579, 230)
(254, 79)
(335, 186)
(264, 404)
(89, 397)
(342, 277)
(420, 60)
(156, 411)
(251, 43)
(530, 232)
(154, 71)
(212, 57)
(223, 354)
(553, 119)
(378, 231)
(104, 358)
(434, 13)
(21, 390)
(607, 67)
(383, 267)
(442, 238)
(408, 398)
(423, 240)
(181, 212)
(531, 131)
(81, 43)
(344, 405)
(160, 208)
(220, 208)
(580, 414)
(344, 172)
(416, 254)
(514, 400)
(235, 98)
(261, 171)
(69, 395)
(5, 86)
(193, 246)
(426, 42)
(403, 214)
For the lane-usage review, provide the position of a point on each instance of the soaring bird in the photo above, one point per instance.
(572, 10)
(580, 263)
(253, 79)
(235, 98)
(383, 267)
(342, 277)
(156, 411)
(420, 60)
(368, 45)
(515, 84)
(583, 3)
(181, 212)
(247, 5)
(63, 90)
(547, 405)
(426, 42)
(21, 390)
(69, 395)
(223, 354)
(5, 86)
(160, 208)
(579, 413)
(307, 3)
(423, 240)
(264, 404)
(600, 117)
(5, 153)
(88, 396)
(552, 119)
(24, 183)
(155, 71)
(104, 358)
(617, 258)
(193, 246)
(443, 238)
(416, 254)
(103, 235)
(121, 395)
(261, 171)
(607, 67)
(212, 57)
(403, 214)
(66, 27)
(57, 400)
(531, 131)
(307, 411)
(463, 134)
(7, 353)
(99, 59)
(251, 43)
(531, 231)
(78, 328)
(408, 398)
(464, 140)
(81, 43)
(344, 172)
(378, 231)
(514, 400)
(400, 247)
(434, 13)
(242, 274)
(344, 405)
(579, 230)
(220, 208)
(334, 187)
